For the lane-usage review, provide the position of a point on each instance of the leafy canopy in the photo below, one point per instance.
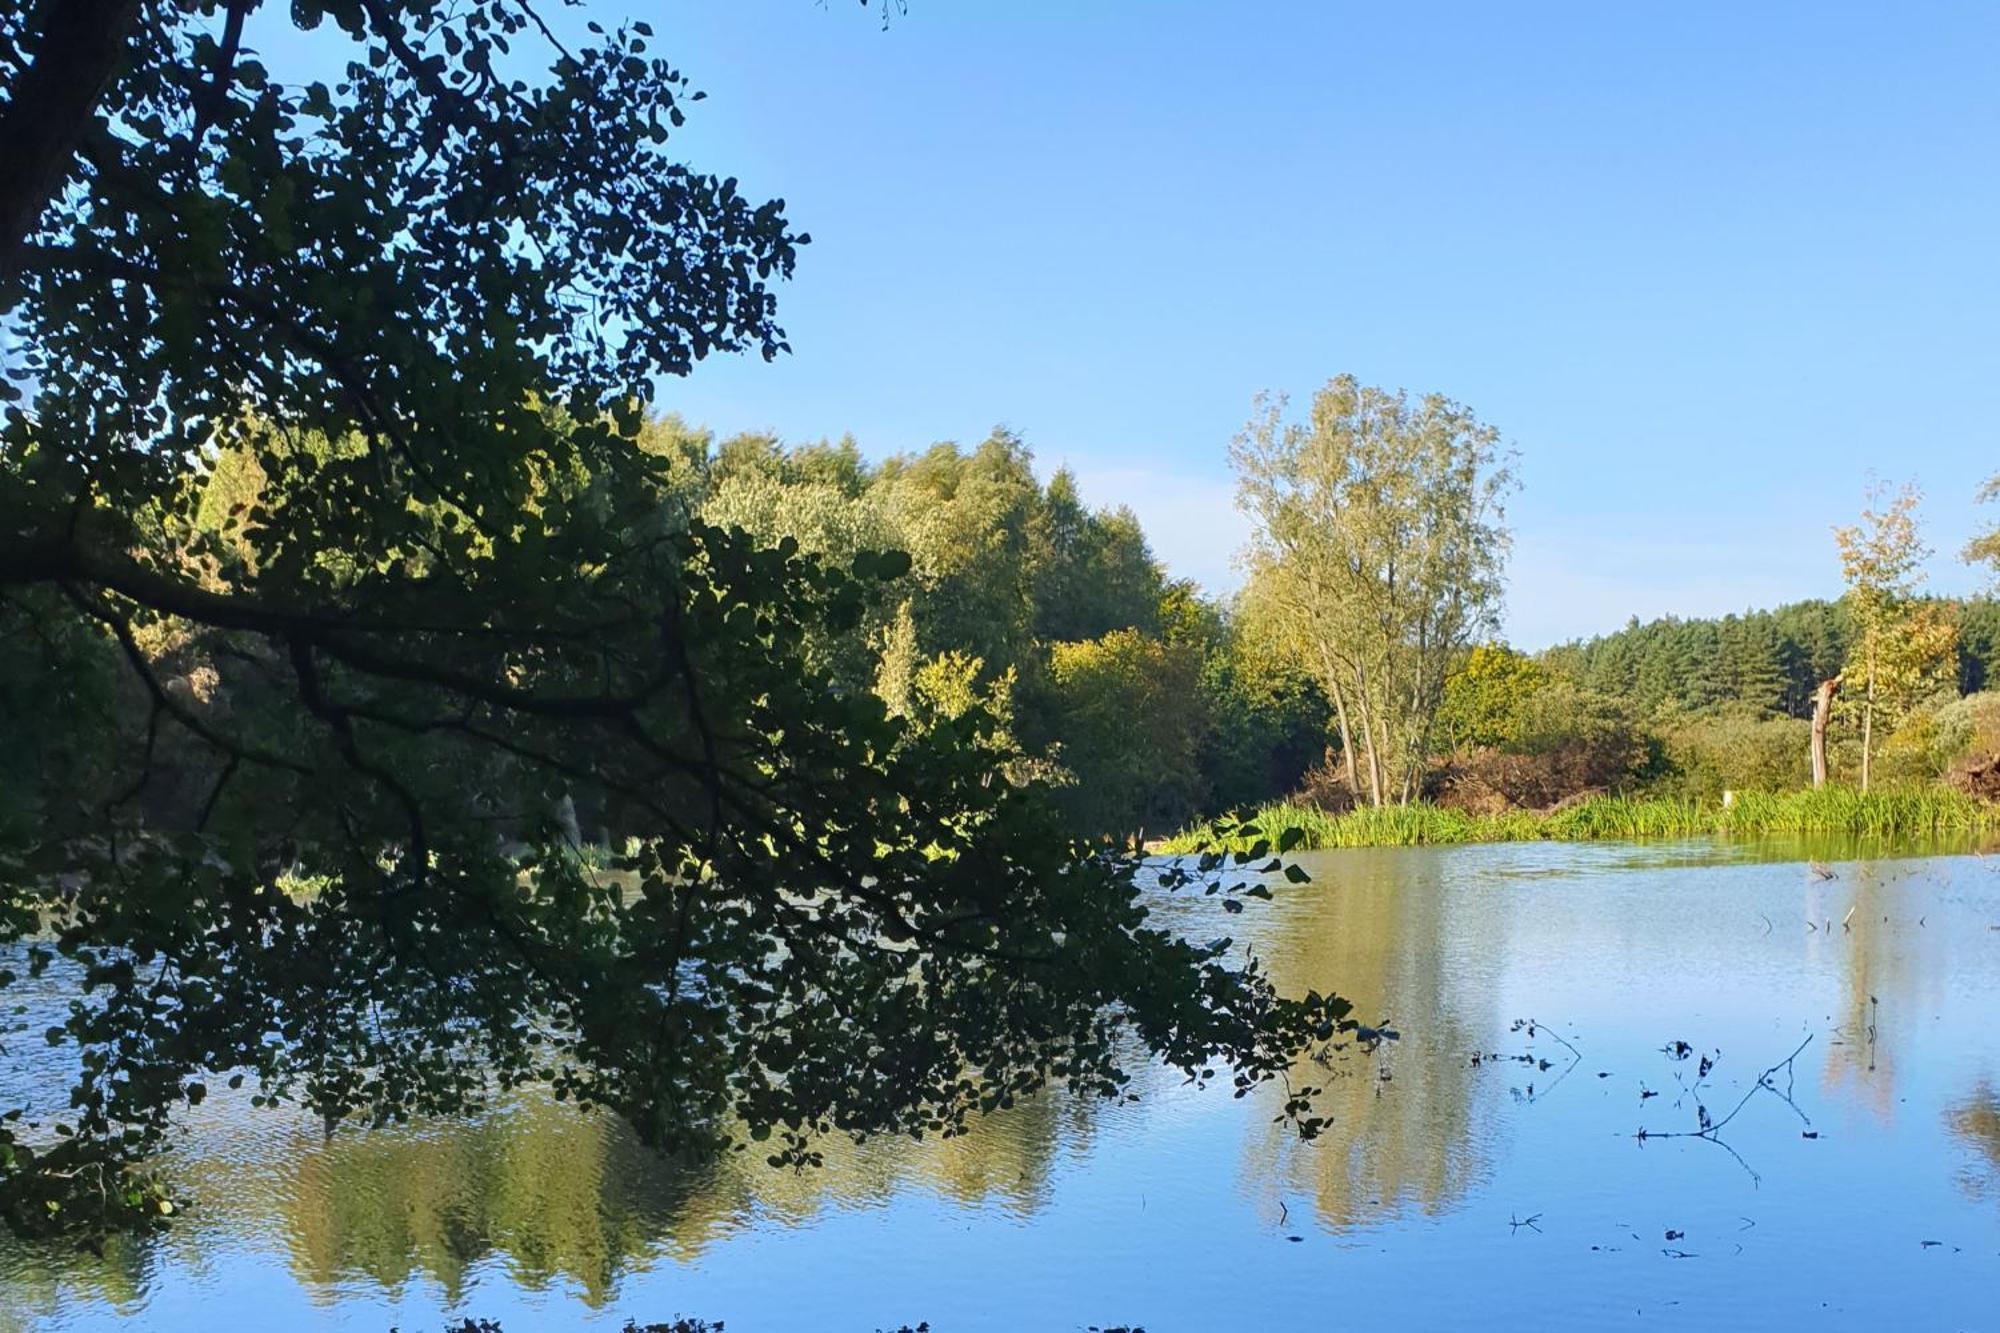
(318, 734)
(1379, 545)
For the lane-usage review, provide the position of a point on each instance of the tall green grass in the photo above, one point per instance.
(1883, 812)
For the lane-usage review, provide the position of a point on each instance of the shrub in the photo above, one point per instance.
(1965, 729)
(1565, 741)
(1733, 748)
(1324, 786)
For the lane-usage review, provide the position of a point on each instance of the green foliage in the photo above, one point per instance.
(1091, 573)
(964, 519)
(1377, 552)
(1003, 570)
(1487, 698)
(1122, 706)
(897, 661)
(1750, 664)
(329, 433)
(1984, 549)
(58, 680)
(1886, 812)
(1000, 563)
(1651, 665)
(1667, 666)
(1978, 645)
(1732, 748)
(1266, 720)
(1904, 648)
(1963, 728)
(1561, 742)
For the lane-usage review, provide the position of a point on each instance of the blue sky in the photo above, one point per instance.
(1706, 266)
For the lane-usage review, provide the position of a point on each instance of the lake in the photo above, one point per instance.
(1478, 1170)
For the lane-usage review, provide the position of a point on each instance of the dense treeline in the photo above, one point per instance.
(1136, 696)
(1691, 708)
(1769, 661)
(1376, 560)
(1139, 697)
(1147, 704)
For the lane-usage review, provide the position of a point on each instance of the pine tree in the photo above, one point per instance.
(1760, 672)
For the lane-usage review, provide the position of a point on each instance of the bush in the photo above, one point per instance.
(1733, 749)
(1965, 729)
(1324, 786)
(1124, 706)
(1565, 742)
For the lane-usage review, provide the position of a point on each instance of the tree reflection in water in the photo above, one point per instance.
(1975, 1122)
(560, 1194)
(1398, 948)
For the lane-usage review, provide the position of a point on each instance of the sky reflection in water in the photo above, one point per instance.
(1192, 1210)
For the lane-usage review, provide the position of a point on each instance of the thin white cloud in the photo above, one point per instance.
(1190, 519)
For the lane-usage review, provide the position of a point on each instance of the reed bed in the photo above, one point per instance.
(1882, 812)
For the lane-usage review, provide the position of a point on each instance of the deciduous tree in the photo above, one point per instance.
(1126, 706)
(430, 301)
(1898, 645)
(1380, 539)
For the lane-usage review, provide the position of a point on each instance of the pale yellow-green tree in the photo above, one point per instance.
(1901, 645)
(1984, 549)
(1379, 542)
(1488, 696)
(896, 662)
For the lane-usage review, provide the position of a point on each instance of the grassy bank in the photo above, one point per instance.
(1892, 812)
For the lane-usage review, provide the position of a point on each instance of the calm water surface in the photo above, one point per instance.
(1460, 1183)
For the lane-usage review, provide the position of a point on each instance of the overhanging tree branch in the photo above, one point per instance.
(50, 106)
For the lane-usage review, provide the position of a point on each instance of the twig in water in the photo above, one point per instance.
(1764, 1082)
(1533, 1028)
(1711, 1128)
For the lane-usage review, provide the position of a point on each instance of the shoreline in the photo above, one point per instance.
(1883, 812)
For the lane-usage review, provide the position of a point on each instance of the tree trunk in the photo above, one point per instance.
(80, 47)
(1380, 745)
(1374, 754)
(566, 820)
(1346, 736)
(1868, 716)
(1867, 730)
(1822, 709)
(1371, 751)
